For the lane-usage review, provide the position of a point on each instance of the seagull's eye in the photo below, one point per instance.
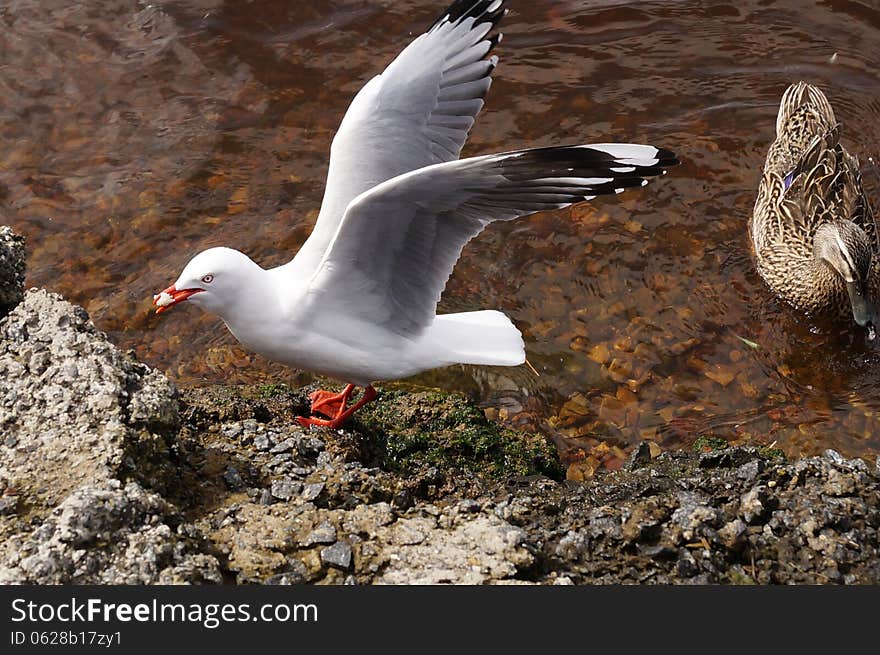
(207, 279)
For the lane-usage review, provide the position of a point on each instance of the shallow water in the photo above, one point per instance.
(134, 134)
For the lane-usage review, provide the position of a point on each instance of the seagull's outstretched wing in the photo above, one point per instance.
(398, 242)
(416, 113)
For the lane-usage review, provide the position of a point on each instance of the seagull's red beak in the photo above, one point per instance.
(171, 296)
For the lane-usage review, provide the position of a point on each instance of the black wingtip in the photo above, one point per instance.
(604, 168)
(667, 157)
(490, 11)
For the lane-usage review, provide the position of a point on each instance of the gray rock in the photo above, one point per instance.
(469, 506)
(478, 550)
(12, 270)
(751, 506)
(232, 478)
(839, 483)
(325, 533)
(296, 573)
(80, 409)
(731, 534)
(312, 491)
(284, 447)
(8, 505)
(641, 457)
(108, 534)
(750, 470)
(285, 489)
(310, 447)
(687, 565)
(338, 555)
(692, 514)
(232, 430)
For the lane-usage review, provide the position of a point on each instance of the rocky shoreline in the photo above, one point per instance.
(109, 474)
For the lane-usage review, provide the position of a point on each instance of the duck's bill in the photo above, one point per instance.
(171, 296)
(862, 309)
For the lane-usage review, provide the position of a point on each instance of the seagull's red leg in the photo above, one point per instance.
(343, 415)
(330, 404)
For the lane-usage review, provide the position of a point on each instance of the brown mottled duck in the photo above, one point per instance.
(812, 229)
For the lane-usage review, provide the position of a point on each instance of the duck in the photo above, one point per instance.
(812, 229)
(357, 303)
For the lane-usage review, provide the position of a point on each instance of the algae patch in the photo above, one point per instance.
(412, 430)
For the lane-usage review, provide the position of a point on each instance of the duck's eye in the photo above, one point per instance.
(207, 279)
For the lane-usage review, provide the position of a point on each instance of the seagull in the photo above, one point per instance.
(358, 301)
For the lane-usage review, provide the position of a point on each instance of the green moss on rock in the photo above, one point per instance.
(706, 443)
(414, 429)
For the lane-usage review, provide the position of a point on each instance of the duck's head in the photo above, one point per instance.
(846, 248)
(216, 280)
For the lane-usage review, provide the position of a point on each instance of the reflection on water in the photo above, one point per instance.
(134, 134)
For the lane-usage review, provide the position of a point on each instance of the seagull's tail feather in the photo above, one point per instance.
(485, 337)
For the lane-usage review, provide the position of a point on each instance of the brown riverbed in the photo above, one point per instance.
(134, 134)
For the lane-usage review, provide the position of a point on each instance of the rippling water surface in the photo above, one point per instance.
(134, 134)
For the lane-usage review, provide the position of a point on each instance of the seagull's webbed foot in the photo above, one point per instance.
(329, 404)
(333, 406)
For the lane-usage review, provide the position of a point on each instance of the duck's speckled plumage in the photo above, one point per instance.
(810, 180)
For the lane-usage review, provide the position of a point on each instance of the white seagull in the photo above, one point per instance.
(358, 301)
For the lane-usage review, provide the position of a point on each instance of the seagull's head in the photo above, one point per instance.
(214, 280)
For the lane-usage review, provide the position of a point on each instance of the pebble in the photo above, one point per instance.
(749, 470)
(751, 507)
(288, 578)
(312, 491)
(469, 506)
(279, 459)
(406, 535)
(284, 446)
(232, 478)
(296, 573)
(325, 533)
(640, 457)
(231, 431)
(8, 505)
(310, 446)
(285, 489)
(838, 484)
(402, 500)
(687, 565)
(834, 456)
(261, 442)
(338, 555)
